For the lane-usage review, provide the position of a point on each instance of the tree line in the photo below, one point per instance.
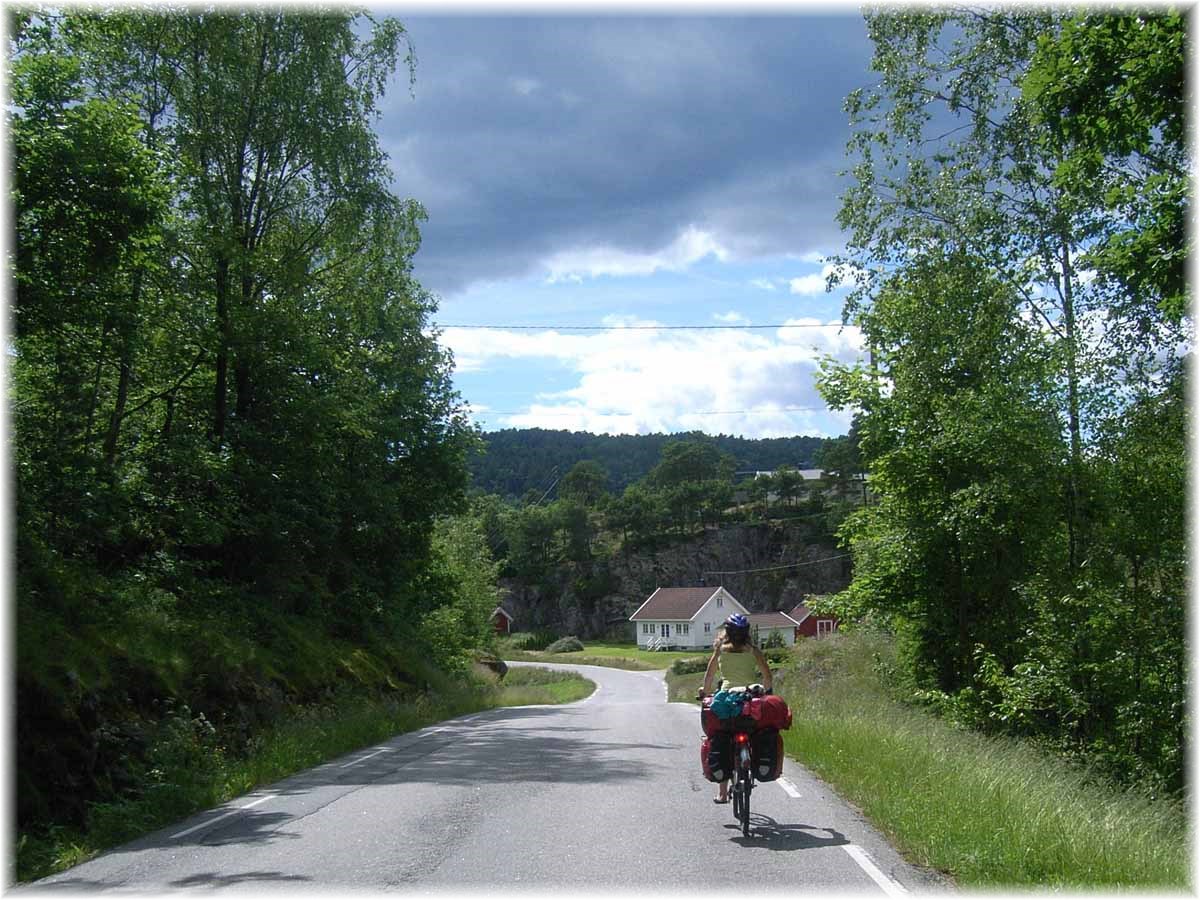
(517, 462)
(235, 437)
(1017, 219)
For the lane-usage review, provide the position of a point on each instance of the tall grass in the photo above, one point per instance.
(993, 813)
(193, 772)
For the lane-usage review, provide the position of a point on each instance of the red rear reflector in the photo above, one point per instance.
(741, 738)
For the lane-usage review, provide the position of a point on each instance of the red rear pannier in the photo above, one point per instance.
(766, 753)
(771, 712)
(716, 756)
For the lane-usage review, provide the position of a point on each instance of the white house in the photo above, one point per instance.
(771, 623)
(683, 618)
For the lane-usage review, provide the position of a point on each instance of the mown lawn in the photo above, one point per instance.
(618, 656)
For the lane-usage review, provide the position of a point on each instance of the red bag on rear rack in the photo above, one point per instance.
(771, 712)
(716, 756)
(708, 719)
(766, 751)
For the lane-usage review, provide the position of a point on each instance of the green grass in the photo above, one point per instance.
(198, 774)
(613, 655)
(526, 686)
(992, 813)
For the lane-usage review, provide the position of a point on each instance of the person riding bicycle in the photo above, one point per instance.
(739, 663)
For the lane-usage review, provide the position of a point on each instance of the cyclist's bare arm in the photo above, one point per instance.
(710, 672)
(763, 667)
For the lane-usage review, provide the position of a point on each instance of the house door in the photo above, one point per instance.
(664, 630)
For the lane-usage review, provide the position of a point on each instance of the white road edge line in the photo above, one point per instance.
(365, 758)
(232, 812)
(891, 888)
(788, 787)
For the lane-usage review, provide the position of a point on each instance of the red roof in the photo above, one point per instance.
(674, 603)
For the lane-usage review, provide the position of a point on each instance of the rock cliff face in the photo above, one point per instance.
(595, 600)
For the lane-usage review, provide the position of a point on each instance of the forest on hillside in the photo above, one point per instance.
(516, 461)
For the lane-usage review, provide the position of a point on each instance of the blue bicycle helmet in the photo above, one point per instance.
(737, 622)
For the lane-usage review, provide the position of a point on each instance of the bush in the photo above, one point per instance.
(568, 644)
(531, 641)
(777, 655)
(689, 666)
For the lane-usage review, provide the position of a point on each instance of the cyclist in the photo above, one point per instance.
(739, 662)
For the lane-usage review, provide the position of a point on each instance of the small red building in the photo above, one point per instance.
(502, 620)
(811, 624)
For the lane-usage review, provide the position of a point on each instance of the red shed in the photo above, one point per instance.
(502, 620)
(811, 624)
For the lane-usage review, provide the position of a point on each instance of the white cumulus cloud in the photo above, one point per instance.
(689, 247)
(639, 380)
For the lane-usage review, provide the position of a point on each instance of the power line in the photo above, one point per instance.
(777, 568)
(645, 327)
(698, 412)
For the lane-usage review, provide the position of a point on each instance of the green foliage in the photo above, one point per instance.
(532, 641)
(992, 812)
(567, 644)
(689, 666)
(1026, 536)
(234, 434)
(515, 461)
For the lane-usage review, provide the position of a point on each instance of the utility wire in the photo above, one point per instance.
(811, 562)
(643, 327)
(698, 412)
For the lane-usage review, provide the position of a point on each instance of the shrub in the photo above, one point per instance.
(689, 666)
(531, 641)
(567, 644)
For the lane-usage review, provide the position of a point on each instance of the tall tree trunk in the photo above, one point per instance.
(128, 329)
(1075, 471)
(224, 337)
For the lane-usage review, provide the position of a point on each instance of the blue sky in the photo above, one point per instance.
(616, 173)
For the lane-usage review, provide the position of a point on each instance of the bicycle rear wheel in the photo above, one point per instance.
(744, 787)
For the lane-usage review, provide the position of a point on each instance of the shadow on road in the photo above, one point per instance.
(771, 835)
(214, 880)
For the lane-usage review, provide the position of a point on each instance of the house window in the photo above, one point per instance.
(647, 628)
(708, 627)
(824, 627)
(683, 629)
(665, 630)
(720, 601)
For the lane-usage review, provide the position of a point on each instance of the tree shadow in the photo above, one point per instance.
(768, 834)
(213, 880)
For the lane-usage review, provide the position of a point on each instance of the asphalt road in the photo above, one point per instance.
(606, 793)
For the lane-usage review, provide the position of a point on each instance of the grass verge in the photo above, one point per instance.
(617, 656)
(992, 813)
(199, 775)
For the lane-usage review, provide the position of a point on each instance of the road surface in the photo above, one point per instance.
(606, 793)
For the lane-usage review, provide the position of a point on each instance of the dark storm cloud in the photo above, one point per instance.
(529, 136)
